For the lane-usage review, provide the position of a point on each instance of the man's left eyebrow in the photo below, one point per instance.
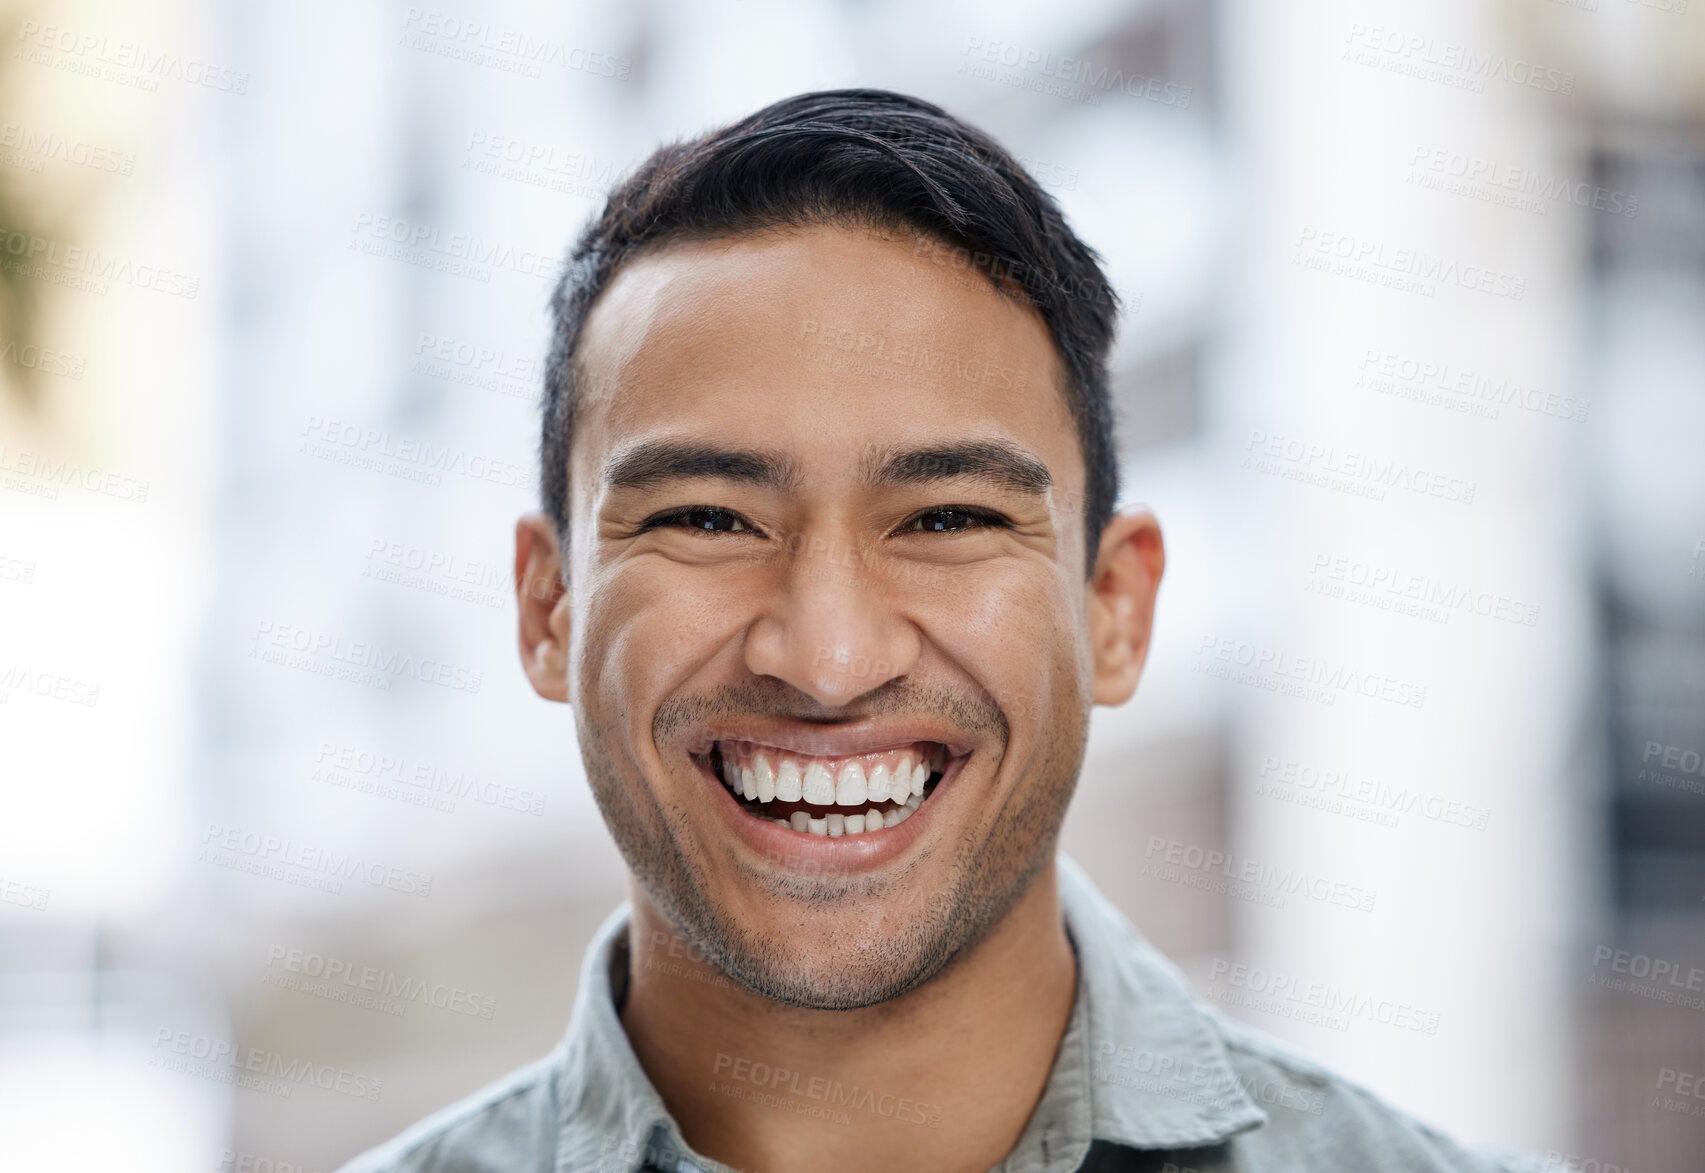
(1005, 466)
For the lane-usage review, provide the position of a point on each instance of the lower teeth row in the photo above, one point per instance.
(835, 824)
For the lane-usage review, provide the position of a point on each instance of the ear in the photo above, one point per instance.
(544, 620)
(1122, 590)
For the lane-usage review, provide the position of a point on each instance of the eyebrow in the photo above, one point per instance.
(1003, 466)
(652, 461)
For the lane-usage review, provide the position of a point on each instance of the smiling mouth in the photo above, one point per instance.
(830, 796)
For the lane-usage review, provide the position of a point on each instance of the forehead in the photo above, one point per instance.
(821, 340)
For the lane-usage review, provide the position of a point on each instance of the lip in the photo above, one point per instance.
(816, 853)
(851, 739)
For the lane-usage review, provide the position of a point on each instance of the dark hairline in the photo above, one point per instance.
(856, 158)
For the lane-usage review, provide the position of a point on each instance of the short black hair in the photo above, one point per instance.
(859, 157)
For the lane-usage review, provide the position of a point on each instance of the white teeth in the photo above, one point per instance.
(849, 787)
(818, 786)
(876, 788)
(787, 781)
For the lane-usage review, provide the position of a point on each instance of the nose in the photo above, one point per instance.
(832, 629)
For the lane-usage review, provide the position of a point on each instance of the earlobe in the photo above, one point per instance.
(1121, 603)
(542, 597)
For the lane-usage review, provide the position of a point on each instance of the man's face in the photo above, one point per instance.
(826, 527)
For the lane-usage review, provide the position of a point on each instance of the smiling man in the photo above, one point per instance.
(830, 572)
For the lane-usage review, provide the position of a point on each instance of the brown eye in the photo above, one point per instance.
(702, 517)
(947, 521)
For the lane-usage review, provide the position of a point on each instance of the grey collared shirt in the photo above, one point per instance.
(1145, 1078)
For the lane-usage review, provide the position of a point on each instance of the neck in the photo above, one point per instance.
(943, 1077)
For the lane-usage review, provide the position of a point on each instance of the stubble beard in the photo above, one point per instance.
(847, 968)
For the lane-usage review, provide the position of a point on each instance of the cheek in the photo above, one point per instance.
(647, 628)
(1014, 633)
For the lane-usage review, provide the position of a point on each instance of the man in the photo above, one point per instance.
(830, 572)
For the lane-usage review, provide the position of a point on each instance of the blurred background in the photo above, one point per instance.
(1412, 371)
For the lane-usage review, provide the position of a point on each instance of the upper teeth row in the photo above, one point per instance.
(814, 783)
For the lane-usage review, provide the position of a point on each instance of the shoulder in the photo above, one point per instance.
(1320, 1120)
(510, 1125)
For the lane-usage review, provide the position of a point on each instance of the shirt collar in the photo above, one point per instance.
(1139, 1065)
(1145, 1060)
(611, 1118)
